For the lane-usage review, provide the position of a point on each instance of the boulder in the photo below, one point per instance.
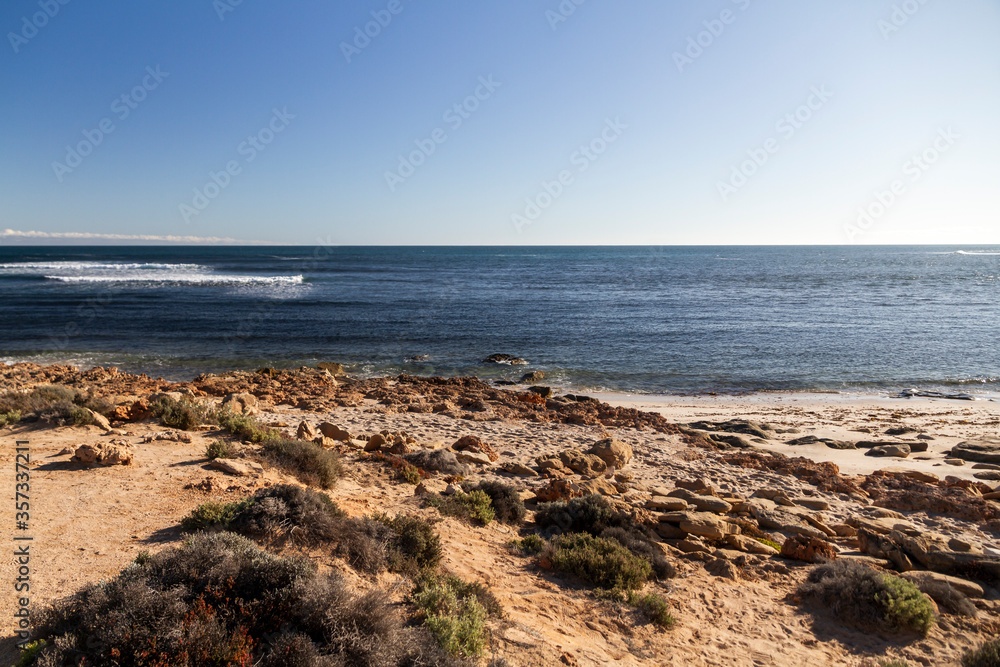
(808, 549)
(332, 368)
(518, 469)
(473, 445)
(532, 377)
(241, 404)
(982, 450)
(334, 432)
(703, 503)
(237, 468)
(899, 450)
(550, 463)
(305, 431)
(134, 412)
(599, 485)
(614, 453)
(504, 359)
(544, 392)
(666, 504)
(116, 452)
(969, 588)
(430, 487)
(559, 489)
(988, 475)
(98, 419)
(584, 464)
(473, 457)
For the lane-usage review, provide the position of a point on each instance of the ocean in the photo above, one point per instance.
(657, 320)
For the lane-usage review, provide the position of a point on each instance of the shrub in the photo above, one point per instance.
(600, 561)
(591, 514)
(474, 506)
(309, 462)
(505, 500)
(455, 612)
(532, 544)
(11, 417)
(644, 547)
(245, 427)
(183, 413)
(219, 599)
(987, 655)
(52, 403)
(655, 607)
(438, 460)
(400, 544)
(220, 449)
(209, 516)
(864, 598)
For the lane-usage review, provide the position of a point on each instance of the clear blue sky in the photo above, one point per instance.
(666, 128)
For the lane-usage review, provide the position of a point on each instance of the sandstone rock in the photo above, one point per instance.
(990, 475)
(584, 464)
(690, 546)
(136, 411)
(168, 436)
(430, 487)
(559, 489)
(519, 469)
(899, 451)
(805, 531)
(600, 486)
(333, 431)
(919, 577)
(918, 475)
(703, 503)
(750, 545)
(375, 443)
(720, 567)
(305, 431)
(956, 544)
(237, 468)
(104, 454)
(473, 457)
(659, 491)
(614, 453)
(808, 549)
(334, 369)
(544, 392)
(804, 440)
(473, 445)
(669, 531)
(955, 462)
(549, 463)
(98, 419)
(666, 504)
(843, 530)
(707, 525)
(532, 377)
(241, 404)
(982, 450)
(811, 503)
(700, 486)
(327, 443)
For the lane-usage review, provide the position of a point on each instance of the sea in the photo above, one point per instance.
(639, 320)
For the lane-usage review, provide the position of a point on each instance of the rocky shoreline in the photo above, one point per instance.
(737, 512)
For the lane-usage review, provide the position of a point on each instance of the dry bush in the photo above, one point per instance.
(438, 460)
(308, 462)
(504, 499)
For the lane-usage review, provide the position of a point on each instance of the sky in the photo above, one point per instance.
(523, 122)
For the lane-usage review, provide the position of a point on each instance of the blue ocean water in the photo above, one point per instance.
(632, 319)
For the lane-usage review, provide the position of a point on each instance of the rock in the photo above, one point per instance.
(808, 549)
(843, 530)
(982, 450)
(332, 368)
(732, 440)
(614, 453)
(919, 577)
(669, 531)
(532, 377)
(559, 489)
(986, 466)
(237, 468)
(690, 546)
(168, 436)
(116, 452)
(241, 404)
(956, 544)
(804, 440)
(431, 486)
(720, 567)
(137, 411)
(839, 444)
(518, 469)
(504, 359)
(924, 436)
(703, 503)
(473, 445)
(98, 419)
(707, 525)
(906, 552)
(990, 475)
(918, 475)
(811, 503)
(954, 462)
(473, 457)
(584, 464)
(544, 392)
(327, 443)
(600, 486)
(550, 463)
(750, 545)
(900, 451)
(666, 504)
(900, 430)
(333, 431)
(375, 443)
(745, 427)
(305, 431)
(701, 486)
(660, 491)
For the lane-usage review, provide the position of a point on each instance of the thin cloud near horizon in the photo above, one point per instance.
(11, 233)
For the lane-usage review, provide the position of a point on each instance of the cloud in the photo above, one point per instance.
(12, 233)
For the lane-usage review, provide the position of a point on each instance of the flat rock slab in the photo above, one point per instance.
(237, 468)
(972, 589)
(983, 450)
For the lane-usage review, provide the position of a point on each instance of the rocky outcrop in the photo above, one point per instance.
(614, 453)
(242, 404)
(472, 445)
(808, 549)
(334, 432)
(504, 359)
(116, 452)
(138, 410)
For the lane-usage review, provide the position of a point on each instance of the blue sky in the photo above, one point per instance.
(713, 122)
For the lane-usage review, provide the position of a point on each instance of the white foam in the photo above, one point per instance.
(96, 266)
(190, 278)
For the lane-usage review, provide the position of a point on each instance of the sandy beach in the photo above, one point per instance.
(733, 606)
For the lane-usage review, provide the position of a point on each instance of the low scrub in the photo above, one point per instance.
(601, 561)
(475, 506)
(184, 413)
(245, 427)
(865, 598)
(442, 460)
(655, 607)
(308, 462)
(220, 449)
(55, 404)
(399, 544)
(505, 499)
(455, 612)
(220, 600)
(591, 514)
(530, 545)
(987, 655)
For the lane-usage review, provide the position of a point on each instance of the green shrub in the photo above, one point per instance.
(655, 607)
(987, 655)
(29, 652)
(220, 600)
(455, 612)
(309, 462)
(644, 547)
(399, 544)
(504, 499)
(532, 544)
(865, 598)
(474, 506)
(11, 417)
(591, 514)
(211, 516)
(245, 427)
(600, 561)
(220, 449)
(184, 414)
